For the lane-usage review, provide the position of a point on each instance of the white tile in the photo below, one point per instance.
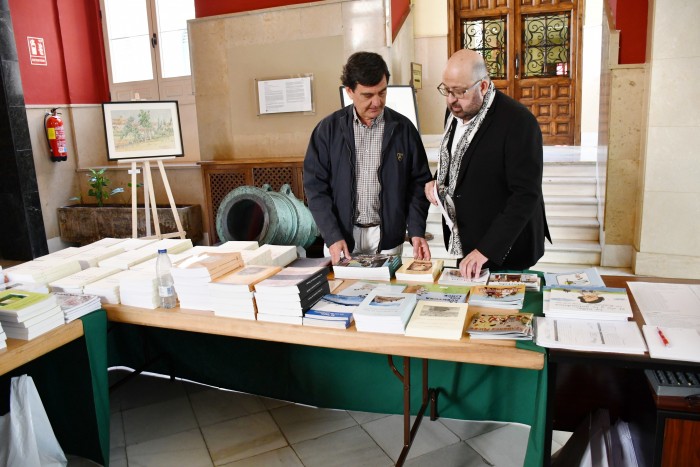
(146, 389)
(243, 437)
(366, 417)
(352, 446)
(388, 433)
(285, 457)
(186, 448)
(299, 423)
(270, 403)
(117, 457)
(467, 429)
(116, 431)
(158, 420)
(504, 446)
(454, 455)
(214, 405)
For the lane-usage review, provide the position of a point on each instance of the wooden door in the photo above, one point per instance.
(531, 48)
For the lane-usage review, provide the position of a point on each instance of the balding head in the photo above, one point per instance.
(466, 66)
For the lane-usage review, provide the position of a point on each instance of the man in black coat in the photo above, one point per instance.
(365, 170)
(489, 177)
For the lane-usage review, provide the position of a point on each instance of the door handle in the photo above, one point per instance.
(517, 65)
(154, 40)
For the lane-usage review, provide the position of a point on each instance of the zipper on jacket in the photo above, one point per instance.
(381, 192)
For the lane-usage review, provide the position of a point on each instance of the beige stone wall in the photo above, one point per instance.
(669, 243)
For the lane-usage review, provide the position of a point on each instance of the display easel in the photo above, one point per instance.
(149, 199)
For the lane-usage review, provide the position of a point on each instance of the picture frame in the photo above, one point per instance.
(142, 130)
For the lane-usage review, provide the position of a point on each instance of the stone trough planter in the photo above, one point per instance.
(85, 223)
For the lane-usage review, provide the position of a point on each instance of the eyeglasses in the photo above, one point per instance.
(457, 93)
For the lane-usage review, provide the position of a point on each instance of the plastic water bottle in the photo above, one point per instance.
(166, 287)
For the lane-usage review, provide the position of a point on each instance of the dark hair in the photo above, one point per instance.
(365, 68)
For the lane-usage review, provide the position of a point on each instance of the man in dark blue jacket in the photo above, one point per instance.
(365, 169)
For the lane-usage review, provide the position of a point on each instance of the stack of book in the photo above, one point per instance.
(139, 289)
(452, 276)
(516, 326)
(439, 293)
(285, 296)
(510, 297)
(336, 310)
(129, 244)
(76, 305)
(437, 320)
(384, 311)
(62, 254)
(597, 303)
(259, 257)
(583, 277)
(92, 256)
(232, 295)
(417, 270)
(76, 282)
(108, 288)
(531, 281)
(26, 315)
(36, 275)
(368, 267)
(281, 255)
(132, 257)
(192, 276)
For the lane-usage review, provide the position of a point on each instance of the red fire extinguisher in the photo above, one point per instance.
(55, 135)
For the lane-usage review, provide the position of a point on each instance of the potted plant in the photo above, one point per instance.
(85, 223)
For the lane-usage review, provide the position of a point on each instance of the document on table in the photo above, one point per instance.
(590, 335)
(669, 343)
(668, 305)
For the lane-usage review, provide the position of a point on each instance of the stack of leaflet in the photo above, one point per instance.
(596, 303)
(452, 276)
(92, 256)
(437, 320)
(192, 275)
(369, 267)
(76, 305)
(133, 243)
(62, 254)
(285, 296)
(509, 297)
(139, 289)
(384, 311)
(259, 257)
(36, 275)
(417, 270)
(76, 282)
(531, 281)
(133, 257)
(517, 326)
(236, 245)
(281, 255)
(108, 288)
(232, 295)
(583, 277)
(336, 310)
(26, 315)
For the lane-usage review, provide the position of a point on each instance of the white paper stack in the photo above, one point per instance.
(133, 243)
(384, 311)
(130, 258)
(108, 288)
(64, 253)
(173, 245)
(38, 274)
(139, 289)
(193, 275)
(232, 295)
(237, 245)
(285, 296)
(257, 257)
(3, 338)
(76, 305)
(281, 255)
(91, 257)
(26, 315)
(108, 242)
(76, 282)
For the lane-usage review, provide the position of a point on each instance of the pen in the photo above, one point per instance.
(663, 337)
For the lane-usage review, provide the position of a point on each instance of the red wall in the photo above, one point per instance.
(71, 36)
(204, 8)
(631, 20)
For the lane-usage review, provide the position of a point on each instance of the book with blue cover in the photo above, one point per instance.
(385, 311)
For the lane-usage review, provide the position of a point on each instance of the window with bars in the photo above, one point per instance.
(546, 50)
(488, 36)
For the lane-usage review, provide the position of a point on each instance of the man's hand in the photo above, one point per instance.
(421, 250)
(337, 250)
(470, 266)
(429, 187)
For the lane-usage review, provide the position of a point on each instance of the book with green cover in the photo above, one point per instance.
(17, 305)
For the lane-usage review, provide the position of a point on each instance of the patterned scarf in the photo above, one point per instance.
(449, 165)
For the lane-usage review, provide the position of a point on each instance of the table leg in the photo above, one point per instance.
(429, 397)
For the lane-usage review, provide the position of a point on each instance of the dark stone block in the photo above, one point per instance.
(8, 47)
(5, 5)
(20, 128)
(26, 171)
(12, 82)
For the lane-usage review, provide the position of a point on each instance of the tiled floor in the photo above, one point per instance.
(158, 422)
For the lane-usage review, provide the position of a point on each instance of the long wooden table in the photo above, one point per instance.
(491, 353)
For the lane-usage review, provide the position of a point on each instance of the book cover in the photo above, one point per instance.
(452, 276)
(292, 279)
(441, 293)
(499, 325)
(499, 296)
(419, 270)
(438, 320)
(17, 305)
(589, 303)
(246, 277)
(583, 277)
(531, 281)
(367, 267)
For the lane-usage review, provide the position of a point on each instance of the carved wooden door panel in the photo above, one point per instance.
(531, 48)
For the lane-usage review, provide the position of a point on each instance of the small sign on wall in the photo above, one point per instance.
(37, 51)
(416, 75)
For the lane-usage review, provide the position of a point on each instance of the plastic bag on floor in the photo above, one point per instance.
(26, 437)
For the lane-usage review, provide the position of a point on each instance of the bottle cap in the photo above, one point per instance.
(164, 250)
